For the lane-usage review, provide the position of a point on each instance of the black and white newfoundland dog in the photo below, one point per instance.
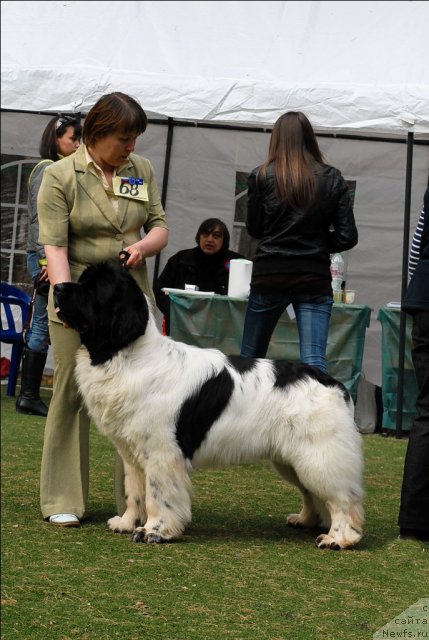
(169, 407)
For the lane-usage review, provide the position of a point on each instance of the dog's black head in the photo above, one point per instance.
(106, 306)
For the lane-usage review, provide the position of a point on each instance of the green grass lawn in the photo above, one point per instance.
(238, 572)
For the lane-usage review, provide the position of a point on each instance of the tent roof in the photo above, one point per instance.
(350, 66)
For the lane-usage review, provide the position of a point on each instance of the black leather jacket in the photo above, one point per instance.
(300, 241)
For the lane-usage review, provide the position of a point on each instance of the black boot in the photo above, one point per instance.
(29, 401)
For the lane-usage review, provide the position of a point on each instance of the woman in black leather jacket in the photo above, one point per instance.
(300, 210)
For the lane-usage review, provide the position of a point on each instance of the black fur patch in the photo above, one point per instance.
(106, 306)
(289, 372)
(201, 410)
(240, 364)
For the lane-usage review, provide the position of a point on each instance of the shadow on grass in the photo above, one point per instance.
(237, 524)
(239, 527)
(272, 529)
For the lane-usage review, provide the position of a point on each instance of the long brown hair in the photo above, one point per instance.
(294, 153)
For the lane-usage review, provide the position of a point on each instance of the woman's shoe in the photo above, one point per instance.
(65, 520)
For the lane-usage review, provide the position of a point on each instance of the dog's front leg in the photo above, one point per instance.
(168, 500)
(135, 513)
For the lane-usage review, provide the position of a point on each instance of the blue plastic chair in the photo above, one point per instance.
(12, 324)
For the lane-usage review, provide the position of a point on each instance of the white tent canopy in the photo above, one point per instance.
(355, 66)
(358, 70)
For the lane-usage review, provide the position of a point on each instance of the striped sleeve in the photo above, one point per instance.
(415, 245)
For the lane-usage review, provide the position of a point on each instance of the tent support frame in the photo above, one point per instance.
(166, 173)
(410, 142)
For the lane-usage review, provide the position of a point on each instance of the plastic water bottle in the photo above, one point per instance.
(337, 273)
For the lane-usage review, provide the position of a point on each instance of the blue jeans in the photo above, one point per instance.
(38, 334)
(312, 315)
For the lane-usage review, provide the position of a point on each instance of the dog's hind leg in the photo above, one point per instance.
(309, 516)
(346, 524)
(168, 500)
(334, 479)
(343, 514)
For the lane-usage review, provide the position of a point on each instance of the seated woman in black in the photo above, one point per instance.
(206, 266)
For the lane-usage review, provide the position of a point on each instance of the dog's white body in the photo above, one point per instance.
(304, 427)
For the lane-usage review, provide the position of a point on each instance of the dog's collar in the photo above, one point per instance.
(123, 257)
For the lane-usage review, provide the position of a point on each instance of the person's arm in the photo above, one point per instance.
(416, 244)
(424, 245)
(344, 235)
(150, 245)
(255, 217)
(58, 264)
(53, 214)
(34, 183)
(156, 229)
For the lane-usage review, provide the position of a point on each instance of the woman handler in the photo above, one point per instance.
(92, 206)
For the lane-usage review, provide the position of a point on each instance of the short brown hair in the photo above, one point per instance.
(111, 113)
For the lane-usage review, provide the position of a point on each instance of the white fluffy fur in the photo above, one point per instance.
(306, 429)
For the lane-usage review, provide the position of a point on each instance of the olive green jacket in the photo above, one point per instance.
(75, 212)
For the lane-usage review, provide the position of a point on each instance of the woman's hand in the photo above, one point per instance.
(136, 256)
(150, 245)
(43, 275)
(58, 266)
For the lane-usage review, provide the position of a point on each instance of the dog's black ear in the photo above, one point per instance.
(70, 305)
(116, 310)
(129, 310)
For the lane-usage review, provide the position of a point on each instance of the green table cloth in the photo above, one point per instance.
(390, 320)
(217, 321)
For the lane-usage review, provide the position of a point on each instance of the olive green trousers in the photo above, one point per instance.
(64, 481)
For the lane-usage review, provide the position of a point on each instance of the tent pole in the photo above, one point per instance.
(165, 185)
(405, 257)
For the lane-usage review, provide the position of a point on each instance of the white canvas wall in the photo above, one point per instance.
(351, 66)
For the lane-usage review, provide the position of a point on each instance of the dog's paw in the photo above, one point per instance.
(327, 542)
(300, 522)
(141, 535)
(120, 525)
(294, 520)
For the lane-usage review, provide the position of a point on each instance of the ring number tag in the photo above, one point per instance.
(133, 188)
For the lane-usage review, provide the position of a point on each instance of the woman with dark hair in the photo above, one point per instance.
(92, 207)
(300, 210)
(206, 266)
(60, 139)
